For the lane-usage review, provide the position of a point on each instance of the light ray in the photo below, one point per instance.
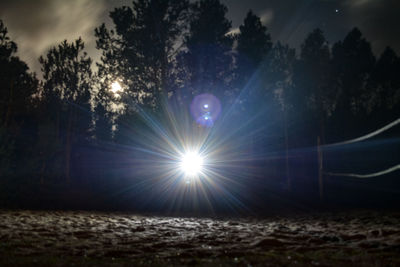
(369, 175)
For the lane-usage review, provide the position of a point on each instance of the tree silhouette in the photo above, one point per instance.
(146, 37)
(17, 87)
(111, 68)
(386, 81)
(141, 55)
(352, 63)
(67, 86)
(165, 52)
(253, 46)
(280, 76)
(208, 57)
(312, 81)
(253, 95)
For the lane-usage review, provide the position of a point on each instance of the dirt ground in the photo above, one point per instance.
(59, 238)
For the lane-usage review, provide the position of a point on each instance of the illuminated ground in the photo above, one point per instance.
(93, 239)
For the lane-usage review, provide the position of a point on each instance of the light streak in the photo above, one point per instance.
(362, 138)
(367, 136)
(375, 174)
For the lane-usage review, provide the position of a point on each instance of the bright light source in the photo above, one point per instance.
(205, 106)
(191, 163)
(116, 87)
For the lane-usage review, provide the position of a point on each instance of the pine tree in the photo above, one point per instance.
(141, 55)
(251, 72)
(67, 89)
(208, 58)
(253, 46)
(312, 82)
(17, 87)
(386, 80)
(352, 65)
(353, 62)
(280, 71)
(141, 52)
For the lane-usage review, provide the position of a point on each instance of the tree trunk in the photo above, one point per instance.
(320, 143)
(68, 148)
(288, 181)
(42, 170)
(320, 170)
(58, 127)
(8, 113)
(322, 128)
(67, 158)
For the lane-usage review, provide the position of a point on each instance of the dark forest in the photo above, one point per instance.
(85, 130)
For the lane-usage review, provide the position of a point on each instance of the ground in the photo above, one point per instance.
(60, 238)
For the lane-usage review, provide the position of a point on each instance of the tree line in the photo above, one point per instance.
(170, 51)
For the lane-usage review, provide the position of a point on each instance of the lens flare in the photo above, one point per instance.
(205, 109)
(182, 159)
(191, 164)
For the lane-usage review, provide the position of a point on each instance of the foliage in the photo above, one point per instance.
(16, 105)
(67, 89)
(208, 59)
(352, 63)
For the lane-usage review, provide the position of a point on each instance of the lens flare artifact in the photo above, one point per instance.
(191, 164)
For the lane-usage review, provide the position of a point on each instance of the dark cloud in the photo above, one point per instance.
(40, 24)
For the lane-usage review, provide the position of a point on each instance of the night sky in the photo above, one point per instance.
(37, 25)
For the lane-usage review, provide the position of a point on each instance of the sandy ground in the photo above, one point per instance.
(93, 239)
